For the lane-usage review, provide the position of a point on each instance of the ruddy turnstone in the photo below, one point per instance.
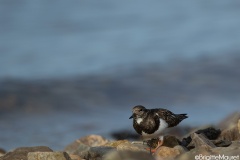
(150, 123)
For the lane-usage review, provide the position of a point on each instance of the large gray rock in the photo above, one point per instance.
(200, 140)
(48, 156)
(128, 155)
(210, 133)
(84, 144)
(21, 153)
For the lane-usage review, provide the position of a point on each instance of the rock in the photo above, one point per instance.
(202, 152)
(200, 140)
(75, 157)
(125, 134)
(21, 153)
(84, 144)
(116, 143)
(230, 121)
(48, 156)
(164, 152)
(230, 134)
(170, 141)
(195, 153)
(239, 126)
(2, 152)
(96, 152)
(126, 145)
(132, 147)
(182, 149)
(128, 155)
(221, 143)
(210, 132)
(235, 144)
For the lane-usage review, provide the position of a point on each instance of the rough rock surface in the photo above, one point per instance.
(21, 153)
(239, 126)
(231, 133)
(2, 152)
(200, 140)
(126, 145)
(164, 152)
(96, 152)
(75, 157)
(128, 155)
(203, 142)
(48, 156)
(209, 132)
(82, 146)
(230, 121)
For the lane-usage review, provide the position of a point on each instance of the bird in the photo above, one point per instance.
(150, 123)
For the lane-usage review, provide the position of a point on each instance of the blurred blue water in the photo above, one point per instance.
(58, 39)
(49, 39)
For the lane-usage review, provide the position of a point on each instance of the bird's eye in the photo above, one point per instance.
(140, 110)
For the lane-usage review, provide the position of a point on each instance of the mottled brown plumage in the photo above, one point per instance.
(151, 122)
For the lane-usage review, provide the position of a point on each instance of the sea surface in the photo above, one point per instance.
(74, 68)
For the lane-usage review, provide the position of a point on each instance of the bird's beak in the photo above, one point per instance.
(131, 116)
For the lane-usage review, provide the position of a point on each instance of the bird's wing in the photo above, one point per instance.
(168, 116)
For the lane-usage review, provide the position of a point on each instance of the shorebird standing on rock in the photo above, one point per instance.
(150, 123)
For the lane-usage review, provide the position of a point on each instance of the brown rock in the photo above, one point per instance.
(132, 147)
(182, 149)
(239, 126)
(170, 141)
(128, 155)
(164, 152)
(84, 144)
(221, 143)
(235, 144)
(126, 145)
(116, 143)
(195, 153)
(96, 152)
(21, 153)
(48, 156)
(75, 157)
(231, 134)
(230, 121)
(2, 152)
(227, 151)
(200, 140)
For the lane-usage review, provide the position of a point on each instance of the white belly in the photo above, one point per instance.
(156, 134)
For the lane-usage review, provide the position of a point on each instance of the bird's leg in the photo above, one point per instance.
(151, 142)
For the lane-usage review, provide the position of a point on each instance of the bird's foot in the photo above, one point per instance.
(153, 150)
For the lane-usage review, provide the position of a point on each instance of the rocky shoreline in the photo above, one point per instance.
(204, 143)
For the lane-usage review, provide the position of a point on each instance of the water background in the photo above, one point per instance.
(80, 66)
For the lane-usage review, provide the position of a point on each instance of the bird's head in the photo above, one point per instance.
(138, 111)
